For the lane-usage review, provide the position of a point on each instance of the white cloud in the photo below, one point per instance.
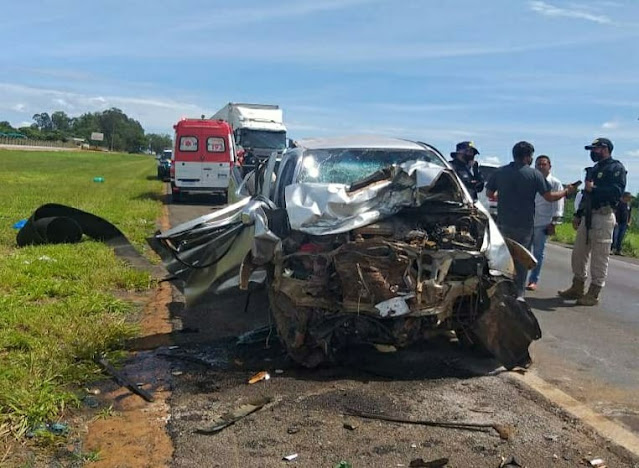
(491, 159)
(610, 125)
(19, 107)
(153, 113)
(576, 11)
(632, 153)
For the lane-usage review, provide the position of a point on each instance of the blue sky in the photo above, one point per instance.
(556, 73)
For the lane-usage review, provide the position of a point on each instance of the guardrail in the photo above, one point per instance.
(31, 142)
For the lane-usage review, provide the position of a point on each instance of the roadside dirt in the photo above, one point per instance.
(135, 435)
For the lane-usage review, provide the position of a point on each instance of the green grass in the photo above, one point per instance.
(566, 234)
(60, 305)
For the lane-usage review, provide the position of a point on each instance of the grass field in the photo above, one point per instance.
(61, 304)
(566, 234)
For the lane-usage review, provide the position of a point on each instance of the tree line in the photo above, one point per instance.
(121, 132)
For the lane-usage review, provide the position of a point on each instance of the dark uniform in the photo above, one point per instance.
(471, 177)
(597, 213)
(609, 177)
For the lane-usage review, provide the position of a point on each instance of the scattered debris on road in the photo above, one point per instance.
(344, 464)
(230, 418)
(505, 432)
(259, 377)
(420, 463)
(123, 381)
(186, 357)
(509, 463)
(596, 462)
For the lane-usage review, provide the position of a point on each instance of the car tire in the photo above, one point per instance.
(176, 195)
(288, 320)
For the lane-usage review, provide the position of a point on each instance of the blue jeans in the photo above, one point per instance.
(524, 237)
(618, 235)
(538, 246)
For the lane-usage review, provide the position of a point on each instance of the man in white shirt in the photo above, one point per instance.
(547, 215)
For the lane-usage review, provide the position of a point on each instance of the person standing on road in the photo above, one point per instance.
(516, 186)
(547, 216)
(595, 222)
(623, 217)
(467, 168)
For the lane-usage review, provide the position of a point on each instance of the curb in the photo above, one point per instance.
(609, 430)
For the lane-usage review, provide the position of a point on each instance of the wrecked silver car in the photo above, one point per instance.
(361, 240)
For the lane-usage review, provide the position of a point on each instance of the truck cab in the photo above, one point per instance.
(258, 130)
(203, 156)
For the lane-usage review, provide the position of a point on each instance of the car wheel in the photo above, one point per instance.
(176, 196)
(290, 322)
(469, 340)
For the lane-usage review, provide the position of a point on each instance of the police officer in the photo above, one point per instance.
(595, 222)
(467, 168)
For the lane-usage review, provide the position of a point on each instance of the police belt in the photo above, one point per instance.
(603, 210)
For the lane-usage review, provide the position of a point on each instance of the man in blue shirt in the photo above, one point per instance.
(516, 186)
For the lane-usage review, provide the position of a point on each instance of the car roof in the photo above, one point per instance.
(358, 141)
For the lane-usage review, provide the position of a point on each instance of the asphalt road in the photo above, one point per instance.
(587, 352)
(592, 353)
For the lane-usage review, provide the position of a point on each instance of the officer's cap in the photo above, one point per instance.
(465, 145)
(600, 143)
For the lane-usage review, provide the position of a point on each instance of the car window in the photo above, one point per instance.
(215, 145)
(284, 178)
(345, 166)
(188, 143)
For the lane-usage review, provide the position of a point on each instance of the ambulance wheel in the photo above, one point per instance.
(176, 197)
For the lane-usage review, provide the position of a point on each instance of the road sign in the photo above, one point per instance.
(96, 136)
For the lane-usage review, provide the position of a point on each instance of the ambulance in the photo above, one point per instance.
(203, 156)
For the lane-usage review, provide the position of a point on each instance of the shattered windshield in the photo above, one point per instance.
(345, 166)
(263, 139)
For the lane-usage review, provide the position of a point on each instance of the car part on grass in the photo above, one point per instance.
(56, 224)
(505, 432)
(231, 417)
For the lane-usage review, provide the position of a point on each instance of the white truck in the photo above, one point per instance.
(258, 129)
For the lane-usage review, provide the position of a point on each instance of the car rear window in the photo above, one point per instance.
(188, 143)
(215, 145)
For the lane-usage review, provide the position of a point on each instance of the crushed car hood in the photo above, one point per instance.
(206, 252)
